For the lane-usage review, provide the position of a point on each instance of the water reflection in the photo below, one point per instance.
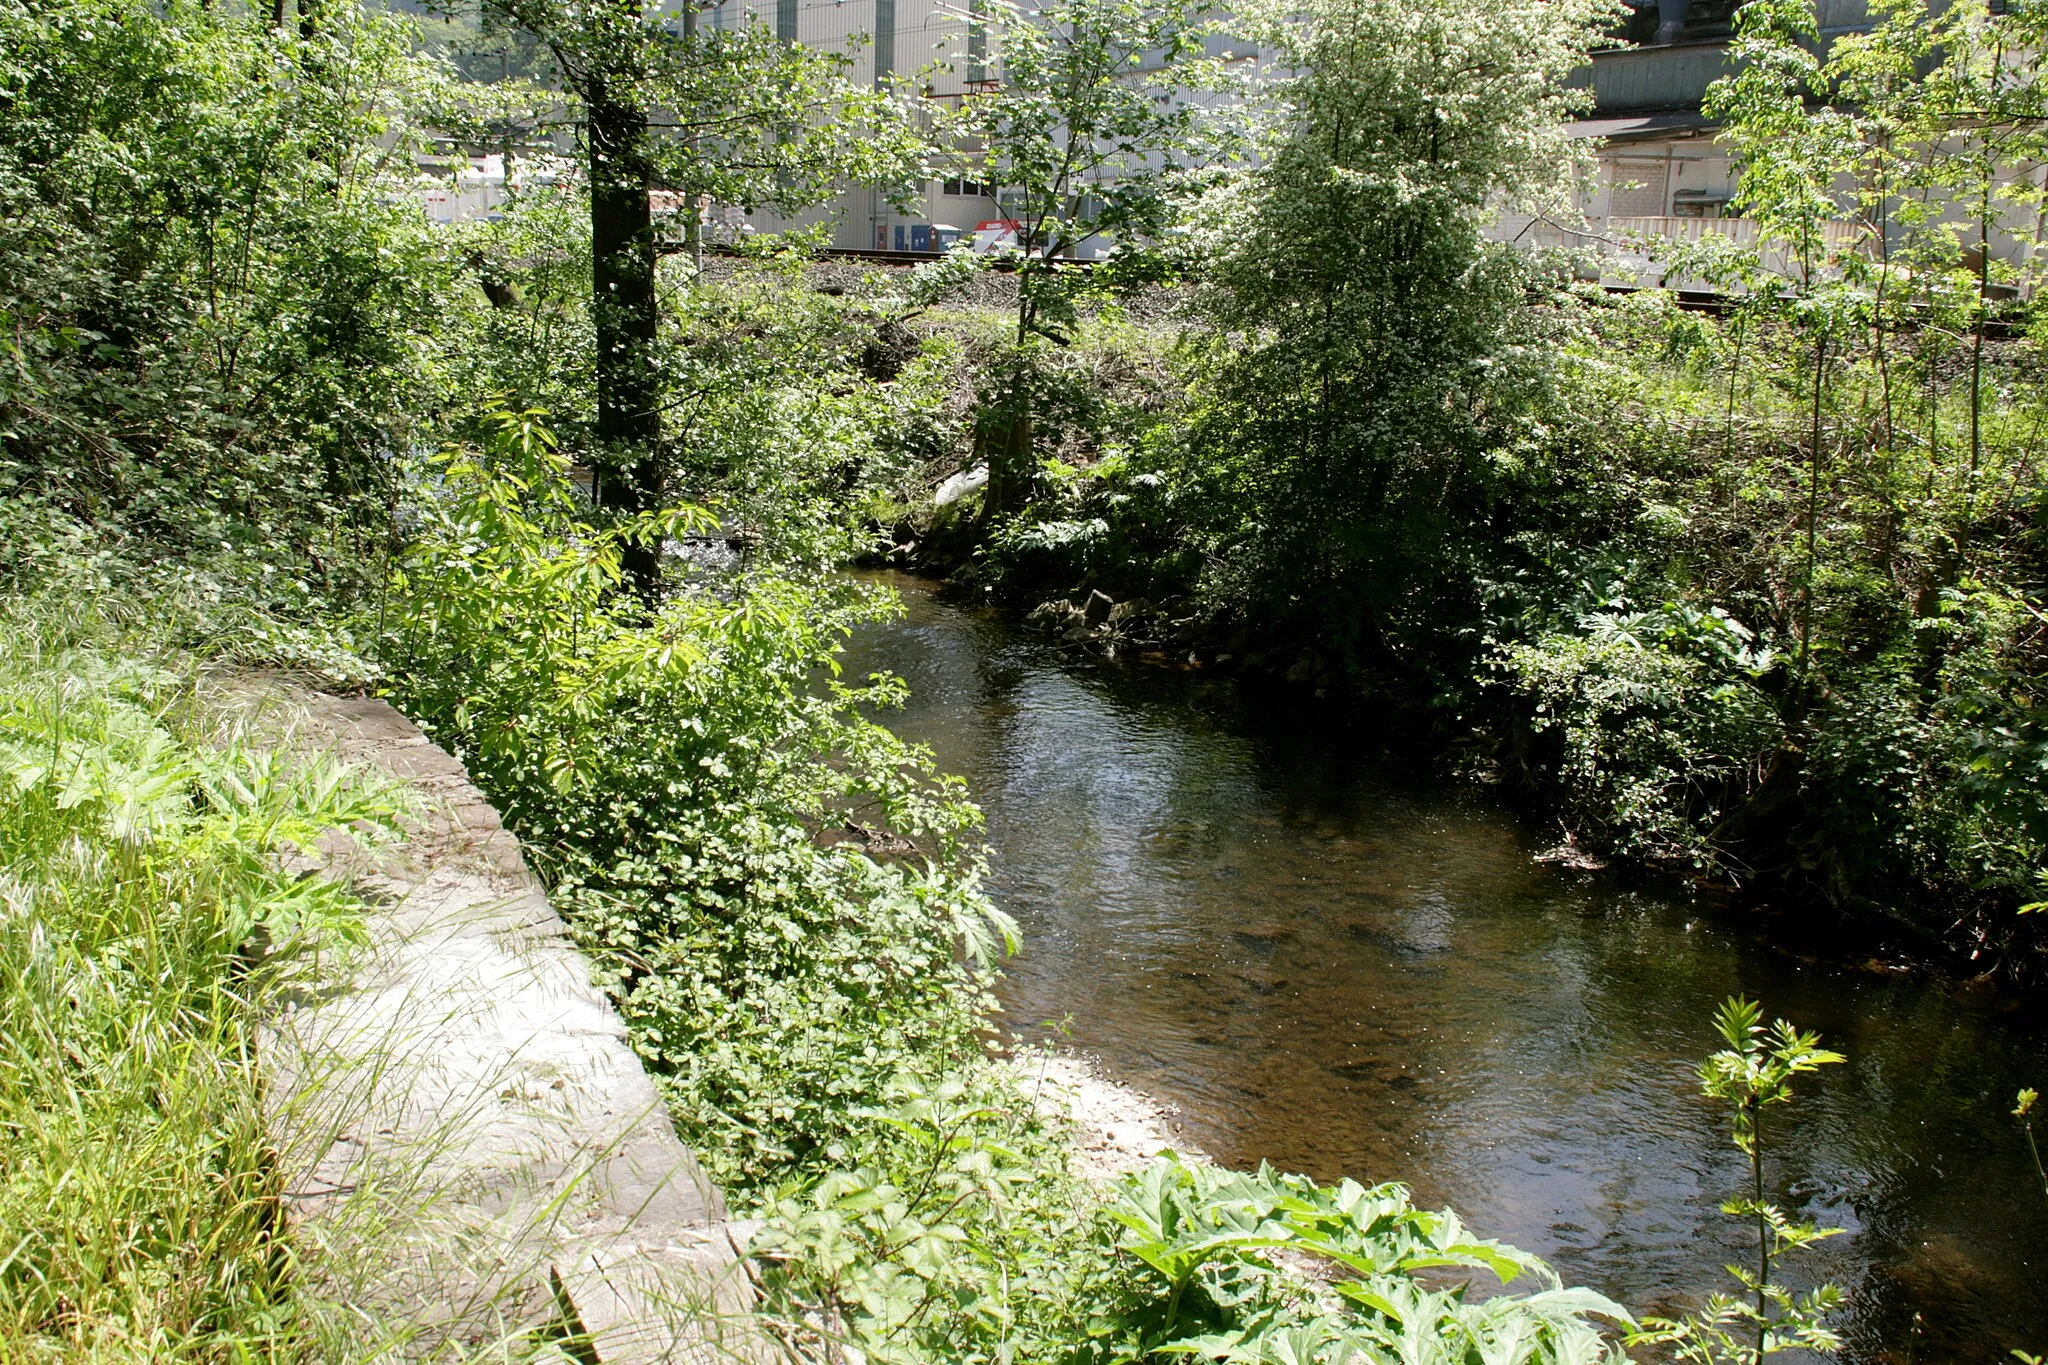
(1348, 971)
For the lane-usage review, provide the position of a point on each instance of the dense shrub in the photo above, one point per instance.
(701, 795)
(218, 313)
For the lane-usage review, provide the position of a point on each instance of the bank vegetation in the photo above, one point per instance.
(578, 507)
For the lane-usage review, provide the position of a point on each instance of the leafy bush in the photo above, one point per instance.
(1112, 523)
(217, 296)
(701, 794)
(1662, 726)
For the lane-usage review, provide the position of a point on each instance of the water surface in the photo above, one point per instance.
(1346, 969)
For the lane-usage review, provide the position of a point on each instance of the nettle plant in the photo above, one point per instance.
(1210, 1238)
(1752, 1074)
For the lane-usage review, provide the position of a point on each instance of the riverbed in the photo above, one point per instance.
(1318, 959)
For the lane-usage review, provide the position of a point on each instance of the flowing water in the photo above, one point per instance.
(1349, 970)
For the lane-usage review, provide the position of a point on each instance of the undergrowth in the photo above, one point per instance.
(145, 918)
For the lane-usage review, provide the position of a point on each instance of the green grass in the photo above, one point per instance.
(144, 917)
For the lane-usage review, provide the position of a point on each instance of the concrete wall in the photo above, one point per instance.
(459, 1117)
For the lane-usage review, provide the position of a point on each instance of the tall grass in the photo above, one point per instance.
(144, 915)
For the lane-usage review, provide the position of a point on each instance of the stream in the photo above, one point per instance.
(1349, 970)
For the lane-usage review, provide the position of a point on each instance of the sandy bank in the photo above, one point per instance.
(1118, 1129)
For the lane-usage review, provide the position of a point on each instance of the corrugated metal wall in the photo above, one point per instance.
(1646, 79)
(1652, 78)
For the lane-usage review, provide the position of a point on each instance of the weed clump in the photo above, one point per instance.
(145, 919)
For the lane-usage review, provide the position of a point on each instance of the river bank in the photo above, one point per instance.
(1610, 608)
(1116, 1129)
(1492, 754)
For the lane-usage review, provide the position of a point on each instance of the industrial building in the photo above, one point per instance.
(1659, 168)
(1660, 172)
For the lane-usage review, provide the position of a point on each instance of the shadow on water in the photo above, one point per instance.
(1346, 970)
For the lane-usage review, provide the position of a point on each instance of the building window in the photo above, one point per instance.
(885, 41)
(972, 189)
(977, 41)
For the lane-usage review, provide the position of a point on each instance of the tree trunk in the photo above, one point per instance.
(624, 312)
(1011, 446)
(1820, 371)
(1977, 345)
(1006, 445)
